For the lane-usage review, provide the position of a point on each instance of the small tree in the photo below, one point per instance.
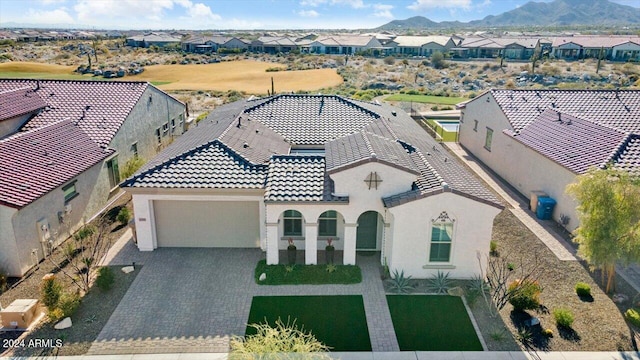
(90, 249)
(609, 214)
(131, 166)
(437, 60)
(50, 292)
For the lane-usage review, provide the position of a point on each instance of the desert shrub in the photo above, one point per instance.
(564, 317)
(486, 66)
(3, 281)
(437, 60)
(510, 84)
(281, 338)
(389, 60)
(55, 314)
(493, 248)
(68, 304)
(583, 289)
(105, 278)
(124, 215)
(131, 166)
(84, 232)
(274, 69)
(50, 292)
(202, 116)
(525, 295)
(633, 316)
(439, 283)
(547, 333)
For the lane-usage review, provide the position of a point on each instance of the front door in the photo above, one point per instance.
(367, 232)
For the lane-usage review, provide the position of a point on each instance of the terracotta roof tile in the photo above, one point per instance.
(17, 102)
(35, 162)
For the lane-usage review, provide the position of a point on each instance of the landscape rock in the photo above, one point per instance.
(127, 269)
(262, 277)
(620, 298)
(64, 324)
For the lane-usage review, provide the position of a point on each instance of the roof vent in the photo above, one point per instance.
(373, 155)
(245, 145)
(445, 186)
(394, 113)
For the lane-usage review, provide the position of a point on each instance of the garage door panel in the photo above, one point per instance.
(207, 223)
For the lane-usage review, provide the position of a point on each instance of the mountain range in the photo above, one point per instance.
(555, 13)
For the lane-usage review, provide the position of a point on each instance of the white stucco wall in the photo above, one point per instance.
(523, 168)
(412, 234)
(9, 261)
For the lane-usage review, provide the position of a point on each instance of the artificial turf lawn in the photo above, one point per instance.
(307, 274)
(337, 321)
(432, 323)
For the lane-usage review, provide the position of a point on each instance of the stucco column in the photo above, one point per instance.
(143, 222)
(386, 242)
(272, 244)
(349, 254)
(311, 243)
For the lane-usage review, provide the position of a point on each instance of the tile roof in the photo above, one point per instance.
(594, 41)
(98, 107)
(311, 120)
(212, 165)
(349, 130)
(618, 109)
(353, 149)
(296, 178)
(17, 102)
(574, 143)
(418, 41)
(34, 162)
(346, 40)
(628, 158)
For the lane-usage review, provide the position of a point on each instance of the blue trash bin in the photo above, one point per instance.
(545, 208)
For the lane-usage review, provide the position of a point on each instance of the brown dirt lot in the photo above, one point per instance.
(599, 324)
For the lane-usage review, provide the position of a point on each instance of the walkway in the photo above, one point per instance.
(520, 208)
(193, 300)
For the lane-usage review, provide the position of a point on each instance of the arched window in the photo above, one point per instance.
(292, 223)
(327, 223)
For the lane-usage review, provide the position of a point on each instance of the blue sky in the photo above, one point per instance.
(246, 14)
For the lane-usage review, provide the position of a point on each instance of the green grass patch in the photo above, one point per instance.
(337, 321)
(158, 83)
(427, 99)
(432, 323)
(307, 274)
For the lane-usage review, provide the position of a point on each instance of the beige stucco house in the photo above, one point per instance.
(539, 140)
(306, 169)
(62, 144)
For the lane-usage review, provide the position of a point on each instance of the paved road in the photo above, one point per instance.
(194, 300)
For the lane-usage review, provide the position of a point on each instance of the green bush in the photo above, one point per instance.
(84, 232)
(583, 289)
(124, 216)
(633, 316)
(105, 278)
(389, 60)
(68, 304)
(547, 333)
(50, 292)
(493, 248)
(564, 317)
(525, 295)
(131, 166)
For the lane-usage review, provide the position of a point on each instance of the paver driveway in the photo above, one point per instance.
(193, 300)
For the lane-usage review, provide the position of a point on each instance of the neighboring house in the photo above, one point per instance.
(346, 45)
(422, 45)
(273, 44)
(581, 47)
(158, 39)
(61, 146)
(539, 140)
(509, 48)
(213, 43)
(310, 168)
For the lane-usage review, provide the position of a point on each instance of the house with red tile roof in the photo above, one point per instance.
(539, 140)
(314, 170)
(61, 146)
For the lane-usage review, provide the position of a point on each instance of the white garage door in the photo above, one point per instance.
(207, 223)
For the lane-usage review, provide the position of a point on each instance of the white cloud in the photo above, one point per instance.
(356, 4)
(421, 5)
(312, 3)
(89, 11)
(383, 11)
(308, 13)
(57, 16)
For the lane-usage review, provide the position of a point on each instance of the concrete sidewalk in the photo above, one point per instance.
(404, 355)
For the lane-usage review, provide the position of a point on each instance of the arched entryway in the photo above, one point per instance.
(368, 231)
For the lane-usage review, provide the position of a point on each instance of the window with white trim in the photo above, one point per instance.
(69, 191)
(441, 237)
(328, 223)
(292, 223)
(488, 139)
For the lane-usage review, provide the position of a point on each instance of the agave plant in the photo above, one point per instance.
(399, 283)
(439, 283)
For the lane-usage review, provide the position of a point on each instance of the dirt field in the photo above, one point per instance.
(247, 76)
